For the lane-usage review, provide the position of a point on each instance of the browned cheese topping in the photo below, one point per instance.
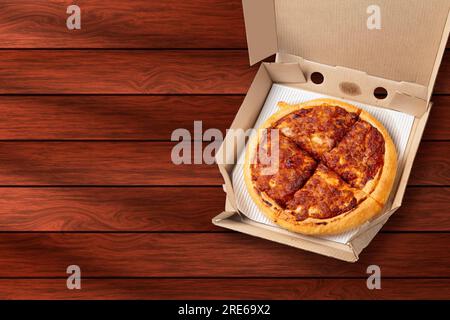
(324, 196)
(326, 157)
(317, 130)
(294, 168)
(359, 156)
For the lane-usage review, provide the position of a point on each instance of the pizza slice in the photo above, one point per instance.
(278, 176)
(317, 126)
(365, 157)
(326, 204)
(324, 196)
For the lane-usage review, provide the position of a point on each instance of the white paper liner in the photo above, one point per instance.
(398, 124)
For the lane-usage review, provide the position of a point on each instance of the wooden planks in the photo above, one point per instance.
(164, 24)
(423, 209)
(431, 165)
(110, 209)
(147, 71)
(140, 117)
(147, 163)
(112, 117)
(438, 125)
(101, 163)
(153, 209)
(136, 72)
(236, 289)
(86, 195)
(119, 24)
(442, 84)
(196, 255)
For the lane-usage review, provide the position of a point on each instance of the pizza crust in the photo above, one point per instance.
(286, 108)
(380, 187)
(266, 204)
(363, 212)
(367, 209)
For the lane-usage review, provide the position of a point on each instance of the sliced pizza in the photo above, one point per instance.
(336, 167)
(324, 196)
(326, 204)
(318, 127)
(279, 167)
(365, 158)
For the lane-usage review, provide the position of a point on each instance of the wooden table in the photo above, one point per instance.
(86, 176)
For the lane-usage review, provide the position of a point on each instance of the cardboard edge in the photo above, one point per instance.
(358, 244)
(415, 104)
(235, 222)
(378, 221)
(337, 79)
(262, 40)
(260, 29)
(226, 159)
(285, 72)
(439, 56)
(411, 152)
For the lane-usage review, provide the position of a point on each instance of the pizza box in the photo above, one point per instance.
(357, 48)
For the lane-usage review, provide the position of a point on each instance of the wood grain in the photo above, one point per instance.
(140, 24)
(153, 209)
(98, 163)
(438, 125)
(442, 84)
(121, 24)
(148, 163)
(112, 117)
(140, 117)
(212, 255)
(238, 289)
(136, 72)
(77, 202)
(432, 164)
(110, 209)
(423, 209)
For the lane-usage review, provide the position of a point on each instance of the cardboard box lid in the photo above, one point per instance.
(408, 47)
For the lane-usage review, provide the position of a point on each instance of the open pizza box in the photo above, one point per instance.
(356, 47)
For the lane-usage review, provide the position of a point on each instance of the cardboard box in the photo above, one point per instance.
(335, 39)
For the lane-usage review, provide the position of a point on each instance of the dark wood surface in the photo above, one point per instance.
(122, 117)
(97, 163)
(216, 254)
(237, 289)
(124, 24)
(136, 72)
(86, 177)
(140, 117)
(139, 209)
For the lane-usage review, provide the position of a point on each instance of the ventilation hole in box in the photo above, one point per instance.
(380, 93)
(317, 77)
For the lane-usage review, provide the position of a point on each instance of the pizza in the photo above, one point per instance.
(320, 167)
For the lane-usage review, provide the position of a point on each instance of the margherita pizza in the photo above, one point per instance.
(320, 167)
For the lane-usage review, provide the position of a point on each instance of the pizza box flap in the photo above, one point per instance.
(407, 47)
